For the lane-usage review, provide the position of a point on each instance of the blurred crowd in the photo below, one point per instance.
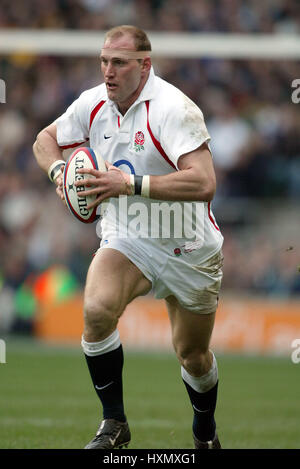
(248, 110)
(245, 16)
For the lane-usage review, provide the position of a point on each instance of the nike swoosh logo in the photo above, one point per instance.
(103, 387)
(198, 410)
(113, 440)
(107, 136)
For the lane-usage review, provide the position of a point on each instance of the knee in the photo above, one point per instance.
(100, 318)
(196, 362)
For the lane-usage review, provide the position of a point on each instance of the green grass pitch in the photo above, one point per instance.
(47, 400)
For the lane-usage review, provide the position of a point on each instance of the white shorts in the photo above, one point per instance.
(195, 284)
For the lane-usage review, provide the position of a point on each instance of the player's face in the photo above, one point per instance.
(124, 78)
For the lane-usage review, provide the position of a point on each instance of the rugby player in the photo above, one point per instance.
(156, 147)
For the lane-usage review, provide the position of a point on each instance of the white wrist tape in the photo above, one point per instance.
(132, 184)
(140, 185)
(145, 187)
(54, 169)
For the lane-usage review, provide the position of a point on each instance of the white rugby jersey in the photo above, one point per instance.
(159, 127)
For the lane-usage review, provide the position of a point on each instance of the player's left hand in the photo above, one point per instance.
(111, 183)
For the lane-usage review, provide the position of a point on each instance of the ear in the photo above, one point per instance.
(146, 65)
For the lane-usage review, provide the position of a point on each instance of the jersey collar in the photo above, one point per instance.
(148, 90)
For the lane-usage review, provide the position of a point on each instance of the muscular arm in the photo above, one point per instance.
(195, 180)
(46, 149)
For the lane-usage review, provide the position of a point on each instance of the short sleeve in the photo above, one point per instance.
(72, 126)
(183, 129)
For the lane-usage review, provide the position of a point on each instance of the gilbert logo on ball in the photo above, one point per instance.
(83, 157)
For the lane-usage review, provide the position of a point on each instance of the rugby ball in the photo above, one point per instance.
(83, 157)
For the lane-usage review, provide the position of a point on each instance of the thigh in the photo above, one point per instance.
(114, 281)
(191, 332)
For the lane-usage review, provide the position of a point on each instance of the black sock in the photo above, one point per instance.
(204, 404)
(106, 374)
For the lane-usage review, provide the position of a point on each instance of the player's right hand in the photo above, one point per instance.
(59, 185)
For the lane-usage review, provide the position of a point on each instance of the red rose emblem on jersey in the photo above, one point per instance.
(139, 141)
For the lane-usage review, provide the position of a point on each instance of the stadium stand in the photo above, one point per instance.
(245, 102)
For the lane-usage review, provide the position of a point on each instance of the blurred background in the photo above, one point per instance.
(254, 124)
(255, 141)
